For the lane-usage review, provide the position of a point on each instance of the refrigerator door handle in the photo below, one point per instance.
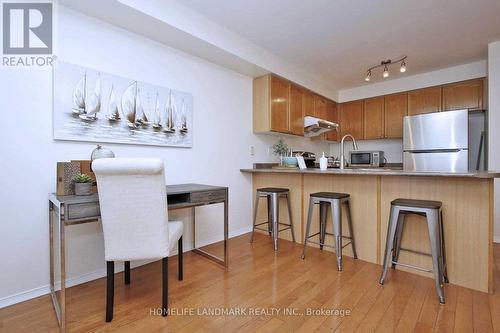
(433, 151)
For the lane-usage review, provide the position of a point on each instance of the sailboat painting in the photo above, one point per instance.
(91, 105)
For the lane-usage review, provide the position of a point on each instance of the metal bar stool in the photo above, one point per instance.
(335, 201)
(273, 194)
(431, 210)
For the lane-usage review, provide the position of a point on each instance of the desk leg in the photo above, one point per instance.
(223, 261)
(194, 227)
(226, 230)
(59, 305)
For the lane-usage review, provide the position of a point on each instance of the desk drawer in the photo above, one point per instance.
(82, 210)
(208, 196)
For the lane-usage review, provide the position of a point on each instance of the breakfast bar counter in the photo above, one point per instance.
(467, 211)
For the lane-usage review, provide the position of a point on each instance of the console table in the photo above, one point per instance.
(72, 209)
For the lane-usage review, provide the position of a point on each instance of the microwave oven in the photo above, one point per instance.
(366, 158)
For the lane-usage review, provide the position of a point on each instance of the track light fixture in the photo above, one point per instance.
(386, 64)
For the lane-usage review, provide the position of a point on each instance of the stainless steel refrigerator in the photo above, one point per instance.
(436, 142)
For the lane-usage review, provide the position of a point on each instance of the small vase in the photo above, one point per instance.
(83, 188)
(281, 160)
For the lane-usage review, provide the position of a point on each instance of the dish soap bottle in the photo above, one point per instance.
(323, 162)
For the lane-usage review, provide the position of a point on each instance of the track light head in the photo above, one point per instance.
(402, 69)
(386, 72)
(368, 76)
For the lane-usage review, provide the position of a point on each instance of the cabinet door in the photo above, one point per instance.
(333, 116)
(279, 105)
(373, 118)
(308, 103)
(424, 100)
(463, 95)
(320, 107)
(351, 119)
(296, 115)
(396, 107)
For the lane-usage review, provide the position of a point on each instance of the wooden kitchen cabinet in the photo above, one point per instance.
(296, 110)
(320, 112)
(463, 95)
(279, 105)
(333, 116)
(396, 107)
(271, 105)
(351, 119)
(308, 103)
(425, 100)
(373, 118)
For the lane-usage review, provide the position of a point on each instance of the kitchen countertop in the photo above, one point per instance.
(376, 172)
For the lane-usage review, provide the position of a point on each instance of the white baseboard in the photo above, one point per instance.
(100, 273)
(496, 239)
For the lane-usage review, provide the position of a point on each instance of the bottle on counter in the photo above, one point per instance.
(323, 162)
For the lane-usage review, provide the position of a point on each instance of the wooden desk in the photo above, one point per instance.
(72, 209)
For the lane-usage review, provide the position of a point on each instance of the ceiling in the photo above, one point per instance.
(338, 40)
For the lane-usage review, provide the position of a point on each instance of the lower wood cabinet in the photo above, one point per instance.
(396, 107)
(425, 100)
(373, 118)
(351, 119)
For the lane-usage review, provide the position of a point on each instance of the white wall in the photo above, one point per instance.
(222, 140)
(494, 124)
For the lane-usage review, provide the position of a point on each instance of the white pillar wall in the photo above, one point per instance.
(494, 125)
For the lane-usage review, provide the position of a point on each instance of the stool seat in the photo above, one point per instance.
(417, 203)
(273, 190)
(330, 195)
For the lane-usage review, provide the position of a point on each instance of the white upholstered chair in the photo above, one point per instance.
(133, 201)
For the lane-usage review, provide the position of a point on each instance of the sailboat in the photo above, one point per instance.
(169, 110)
(80, 95)
(140, 119)
(184, 128)
(113, 113)
(93, 106)
(129, 104)
(157, 117)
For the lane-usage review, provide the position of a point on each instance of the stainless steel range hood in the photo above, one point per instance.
(315, 126)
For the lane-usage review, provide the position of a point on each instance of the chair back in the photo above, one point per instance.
(133, 202)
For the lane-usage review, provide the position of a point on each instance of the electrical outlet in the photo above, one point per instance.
(252, 151)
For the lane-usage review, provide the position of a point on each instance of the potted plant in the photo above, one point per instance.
(280, 149)
(83, 184)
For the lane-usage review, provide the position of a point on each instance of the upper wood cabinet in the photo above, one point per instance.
(396, 107)
(463, 95)
(351, 119)
(296, 110)
(333, 116)
(279, 105)
(271, 105)
(308, 103)
(373, 118)
(424, 100)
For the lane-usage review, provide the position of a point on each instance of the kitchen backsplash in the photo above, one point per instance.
(393, 149)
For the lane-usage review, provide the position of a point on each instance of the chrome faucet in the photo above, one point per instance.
(354, 146)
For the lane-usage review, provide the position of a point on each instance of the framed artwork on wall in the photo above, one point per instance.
(90, 105)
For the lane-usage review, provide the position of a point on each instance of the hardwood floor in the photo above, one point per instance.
(259, 280)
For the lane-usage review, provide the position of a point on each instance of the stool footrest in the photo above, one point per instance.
(348, 243)
(411, 266)
(416, 252)
(317, 243)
